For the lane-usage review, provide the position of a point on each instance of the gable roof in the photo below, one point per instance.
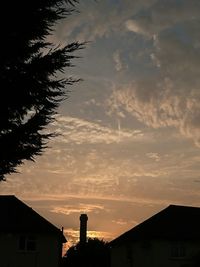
(16, 216)
(174, 222)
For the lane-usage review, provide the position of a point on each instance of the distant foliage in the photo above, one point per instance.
(94, 253)
(30, 89)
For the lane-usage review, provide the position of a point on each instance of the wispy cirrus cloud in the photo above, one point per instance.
(80, 131)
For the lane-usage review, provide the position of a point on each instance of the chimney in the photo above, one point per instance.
(83, 228)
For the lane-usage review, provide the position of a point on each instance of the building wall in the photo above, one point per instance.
(156, 253)
(47, 250)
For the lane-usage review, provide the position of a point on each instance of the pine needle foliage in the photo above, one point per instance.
(30, 90)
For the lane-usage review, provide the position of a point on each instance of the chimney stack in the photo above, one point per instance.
(83, 228)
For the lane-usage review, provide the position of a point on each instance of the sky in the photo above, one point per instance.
(129, 142)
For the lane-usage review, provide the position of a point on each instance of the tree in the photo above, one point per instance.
(31, 90)
(94, 253)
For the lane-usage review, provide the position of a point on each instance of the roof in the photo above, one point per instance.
(16, 216)
(174, 222)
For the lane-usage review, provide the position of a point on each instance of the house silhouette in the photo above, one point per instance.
(169, 238)
(26, 238)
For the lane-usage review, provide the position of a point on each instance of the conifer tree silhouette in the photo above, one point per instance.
(30, 89)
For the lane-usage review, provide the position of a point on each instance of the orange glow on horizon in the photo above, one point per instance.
(72, 237)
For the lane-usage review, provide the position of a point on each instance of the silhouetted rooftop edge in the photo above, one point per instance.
(175, 222)
(16, 216)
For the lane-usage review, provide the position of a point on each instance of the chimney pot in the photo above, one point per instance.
(83, 228)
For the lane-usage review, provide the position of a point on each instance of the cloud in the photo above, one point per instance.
(163, 14)
(168, 95)
(98, 19)
(154, 156)
(117, 61)
(120, 222)
(161, 108)
(80, 131)
(77, 208)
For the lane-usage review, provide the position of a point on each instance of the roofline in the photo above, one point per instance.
(56, 229)
(117, 239)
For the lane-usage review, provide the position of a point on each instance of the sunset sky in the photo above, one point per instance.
(130, 131)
